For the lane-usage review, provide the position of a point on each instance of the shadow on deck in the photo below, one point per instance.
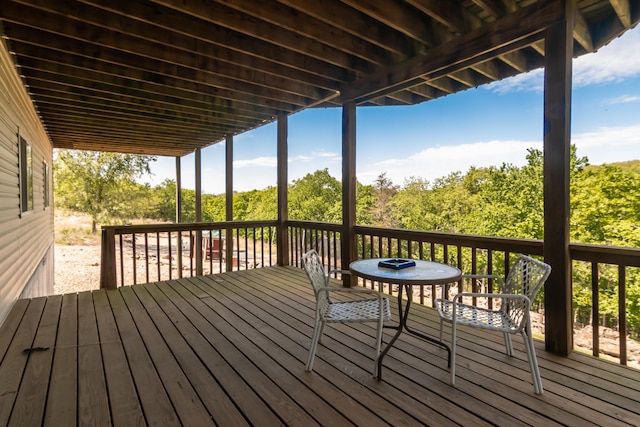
(230, 349)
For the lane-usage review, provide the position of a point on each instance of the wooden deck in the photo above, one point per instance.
(229, 350)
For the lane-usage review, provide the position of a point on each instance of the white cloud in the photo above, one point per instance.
(623, 100)
(605, 145)
(612, 63)
(270, 162)
(326, 154)
(437, 162)
(300, 158)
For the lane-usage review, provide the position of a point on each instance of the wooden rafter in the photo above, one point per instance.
(217, 68)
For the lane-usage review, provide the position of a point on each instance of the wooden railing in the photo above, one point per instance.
(591, 264)
(150, 253)
(147, 253)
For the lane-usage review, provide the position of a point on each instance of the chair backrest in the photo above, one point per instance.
(312, 264)
(526, 277)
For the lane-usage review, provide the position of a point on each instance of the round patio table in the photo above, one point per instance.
(422, 274)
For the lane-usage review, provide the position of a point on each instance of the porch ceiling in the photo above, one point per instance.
(166, 77)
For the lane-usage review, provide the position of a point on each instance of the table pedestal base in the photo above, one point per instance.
(403, 314)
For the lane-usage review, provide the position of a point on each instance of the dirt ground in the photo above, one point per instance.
(77, 268)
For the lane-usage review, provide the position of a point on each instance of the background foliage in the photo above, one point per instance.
(504, 201)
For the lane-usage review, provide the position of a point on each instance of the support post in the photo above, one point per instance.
(348, 246)
(178, 191)
(108, 261)
(229, 200)
(557, 141)
(179, 213)
(198, 207)
(282, 241)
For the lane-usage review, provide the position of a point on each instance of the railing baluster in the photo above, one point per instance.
(595, 310)
(146, 255)
(474, 253)
(121, 261)
(158, 255)
(169, 246)
(622, 313)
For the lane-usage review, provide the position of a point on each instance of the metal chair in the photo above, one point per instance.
(369, 306)
(507, 311)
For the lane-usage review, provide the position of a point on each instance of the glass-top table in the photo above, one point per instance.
(424, 273)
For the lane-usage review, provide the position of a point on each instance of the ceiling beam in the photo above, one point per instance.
(304, 25)
(173, 21)
(516, 30)
(399, 17)
(227, 17)
(581, 32)
(346, 18)
(494, 7)
(623, 11)
(448, 13)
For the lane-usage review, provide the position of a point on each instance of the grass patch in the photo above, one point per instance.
(74, 229)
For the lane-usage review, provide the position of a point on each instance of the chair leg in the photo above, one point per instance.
(533, 361)
(508, 344)
(453, 353)
(378, 347)
(317, 332)
(441, 327)
(321, 334)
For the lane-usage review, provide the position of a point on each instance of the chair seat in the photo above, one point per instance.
(477, 316)
(363, 307)
(526, 276)
(356, 311)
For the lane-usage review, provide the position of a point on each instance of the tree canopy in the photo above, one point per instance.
(504, 201)
(100, 184)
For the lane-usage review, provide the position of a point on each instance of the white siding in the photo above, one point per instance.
(26, 241)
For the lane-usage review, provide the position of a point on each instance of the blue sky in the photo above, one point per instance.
(490, 125)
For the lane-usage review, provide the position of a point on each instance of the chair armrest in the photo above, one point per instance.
(361, 292)
(492, 296)
(483, 276)
(337, 270)
(352, 290)
(499, 280)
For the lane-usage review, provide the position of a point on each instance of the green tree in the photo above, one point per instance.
(316, 197)
(214, 208)
(606, 207)
(381, 211)
(93, 182)
(162, 201)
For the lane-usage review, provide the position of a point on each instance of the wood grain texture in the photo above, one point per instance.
(229, 349)
(168, 77)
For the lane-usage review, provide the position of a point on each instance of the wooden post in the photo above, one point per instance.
(178, 191)
(229, 200)
(198, 238)
(108, 261)
(347, 236)
(282, 234)
(557, 140)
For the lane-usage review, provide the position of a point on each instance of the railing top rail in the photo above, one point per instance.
(325, 226)
(186, 226)
(629, 257)
(527, 246)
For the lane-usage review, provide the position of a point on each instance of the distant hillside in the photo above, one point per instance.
(631, 165)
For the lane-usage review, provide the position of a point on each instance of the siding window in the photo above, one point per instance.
(26, 176)
(45, 183)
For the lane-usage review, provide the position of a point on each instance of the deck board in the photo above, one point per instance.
(230, 349)
(61, 402)
(213, 397)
